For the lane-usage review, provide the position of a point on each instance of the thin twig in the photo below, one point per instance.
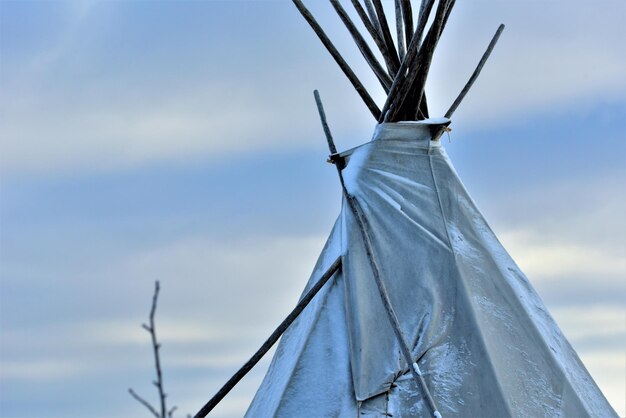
(356, 83)
(306, 299)
(144, 403)
(420, 13)
(170, 413)
(157, 360)
(476, 72)
(156, 347)
(367, 53)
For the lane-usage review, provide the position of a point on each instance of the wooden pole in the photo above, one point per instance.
(306, 299)
(374, 31)
(423, 107)
(320, 110)
(391, 315)
(476, 72)
(382, 19)
(410, 65)
(372, 16)
(400, 30)
(418, 96)
(403, 108)
(367, 53)
(407, 14)
(356, 83)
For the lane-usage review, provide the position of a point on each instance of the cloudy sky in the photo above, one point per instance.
(179, 141)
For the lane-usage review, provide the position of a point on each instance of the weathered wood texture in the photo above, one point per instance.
(361, 43)
(280, 330)
(374, 30)
(384, 26)
(401, 84)
(373, 18)
(408, 106)
(384, 295)
(417, 95)
(400, 30)
(407, 65)
(356, 83)
(476, 72)
(407, 15)
(320, 110)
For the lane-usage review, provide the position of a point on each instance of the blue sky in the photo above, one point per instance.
(179, 141)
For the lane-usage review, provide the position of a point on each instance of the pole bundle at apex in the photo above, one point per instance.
(407, 60)
(402, 75)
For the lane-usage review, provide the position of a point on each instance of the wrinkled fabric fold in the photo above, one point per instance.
(483, 339)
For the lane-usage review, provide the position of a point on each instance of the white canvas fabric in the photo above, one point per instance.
(481, 336)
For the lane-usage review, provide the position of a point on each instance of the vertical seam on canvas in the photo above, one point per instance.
(454, 256)
(443, 216)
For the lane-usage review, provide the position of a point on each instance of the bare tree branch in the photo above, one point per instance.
(170, 413)
(156, 347)
(144, 402)
(151, 329)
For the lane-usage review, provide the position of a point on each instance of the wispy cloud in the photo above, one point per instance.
(553, 260)
(35, 371)
(146, 110)
(55, 121)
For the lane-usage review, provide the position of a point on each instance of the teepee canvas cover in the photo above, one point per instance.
(425, 313)
(481, 336)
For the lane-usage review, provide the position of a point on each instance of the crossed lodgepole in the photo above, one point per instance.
(280, 330)
(403, 82)
(407, 65)
(356, 210)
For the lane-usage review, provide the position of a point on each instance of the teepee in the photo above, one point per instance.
(414, 307)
